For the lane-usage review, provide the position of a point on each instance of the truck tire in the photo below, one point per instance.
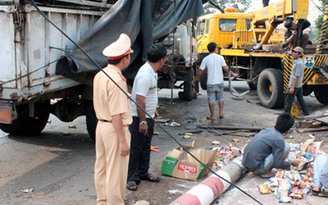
(91, 119)
(306, 90)
(188, 90)
(321, 95)
(203, 80)
(270, 88)
(25, 125)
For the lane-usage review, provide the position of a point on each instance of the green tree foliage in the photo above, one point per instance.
(241, 5)
(319, 20)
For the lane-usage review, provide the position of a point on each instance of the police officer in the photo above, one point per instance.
(113, 112)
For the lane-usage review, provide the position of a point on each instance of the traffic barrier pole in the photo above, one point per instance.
(213, 186)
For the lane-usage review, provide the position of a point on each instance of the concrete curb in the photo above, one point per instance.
(212, 187)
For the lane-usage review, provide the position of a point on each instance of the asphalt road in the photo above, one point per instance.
(56, 167)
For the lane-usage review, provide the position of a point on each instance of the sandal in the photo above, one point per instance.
(132, 186)
(210, 118)
(150, 178)
(315, 193)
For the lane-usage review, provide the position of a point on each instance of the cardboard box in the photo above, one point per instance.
(178, 163)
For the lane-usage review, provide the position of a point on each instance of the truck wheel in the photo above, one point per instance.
(203, 80)
(91, 119)
(321, 95)
(25, 125)
(306, 90)
(251, 85)
(270, 88)
(188, 91)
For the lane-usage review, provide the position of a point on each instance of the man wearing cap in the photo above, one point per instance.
(112, 108)
(295, 82)
(144, 92)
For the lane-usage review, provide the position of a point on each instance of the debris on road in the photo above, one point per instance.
(324, 128)
(314, 123)
(172, 124)
(236, 140)
(287, 185)
(162, 120)
(154, 148)
(142, 202)
(225, 155)
(27, 190)
(215, 142)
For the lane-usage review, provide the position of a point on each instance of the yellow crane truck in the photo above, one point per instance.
(251, 43)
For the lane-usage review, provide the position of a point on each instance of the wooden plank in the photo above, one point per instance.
(313, 129)
(322, 119)
(255, 129)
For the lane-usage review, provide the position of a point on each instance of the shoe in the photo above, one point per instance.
(132, 186)
(150, 178)
(221, 116)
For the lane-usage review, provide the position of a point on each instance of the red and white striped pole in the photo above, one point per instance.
(213, 186)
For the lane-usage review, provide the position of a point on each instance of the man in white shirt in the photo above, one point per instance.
(214, 63)
(144, 92)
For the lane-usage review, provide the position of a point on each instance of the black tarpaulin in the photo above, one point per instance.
(145, 21)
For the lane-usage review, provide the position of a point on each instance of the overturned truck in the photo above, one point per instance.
(44, 71)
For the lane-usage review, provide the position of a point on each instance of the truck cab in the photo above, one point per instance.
(228, 30)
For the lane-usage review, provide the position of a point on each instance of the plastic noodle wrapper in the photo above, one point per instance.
(280, 174)
(274, 182)
(264, 188)
(296, 190)
(283, 195)
(296, 196)
(297, 177)
(289, 176)
(292, 155)
(285, 199)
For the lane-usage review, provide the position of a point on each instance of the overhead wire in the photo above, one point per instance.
(121, 89)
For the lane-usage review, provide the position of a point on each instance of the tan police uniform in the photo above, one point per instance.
(110, 168)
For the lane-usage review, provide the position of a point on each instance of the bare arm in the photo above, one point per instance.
(290, 38)
(226, 69)
(142, 116)
(293, 86)
(199, 73)
(117, 121)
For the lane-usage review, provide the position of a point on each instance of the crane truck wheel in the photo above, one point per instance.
(306, 90)
(91, 119)
(270, 88)
(321, 95)
(25, 125)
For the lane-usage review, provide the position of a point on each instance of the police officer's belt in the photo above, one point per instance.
(105, 121)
